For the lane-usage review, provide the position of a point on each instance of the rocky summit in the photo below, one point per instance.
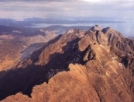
(79, 66)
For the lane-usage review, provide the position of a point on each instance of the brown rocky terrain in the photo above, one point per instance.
(14, 43)
(80, 66)
(9, 52)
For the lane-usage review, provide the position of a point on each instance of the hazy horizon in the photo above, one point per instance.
(115, 13)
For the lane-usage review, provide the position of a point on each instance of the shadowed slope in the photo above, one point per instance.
(77, 66)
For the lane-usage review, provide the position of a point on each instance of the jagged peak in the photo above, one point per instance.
(96, 28)
(109, 30)
(73, 33)
(104, 30)
(70, 31)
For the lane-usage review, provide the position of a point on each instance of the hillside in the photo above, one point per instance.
(79, 66)
(14, 41)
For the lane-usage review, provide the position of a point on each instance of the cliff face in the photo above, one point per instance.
(92, 66)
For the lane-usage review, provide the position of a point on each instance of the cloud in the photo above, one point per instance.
(106, 1)
(75, 10)
(21, 9)
(36, 0)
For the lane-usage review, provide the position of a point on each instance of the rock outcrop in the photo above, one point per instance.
(92, 66)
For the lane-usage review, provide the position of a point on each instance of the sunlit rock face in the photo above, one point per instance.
(79, 66)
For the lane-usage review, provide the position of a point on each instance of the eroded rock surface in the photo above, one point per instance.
(92, 66)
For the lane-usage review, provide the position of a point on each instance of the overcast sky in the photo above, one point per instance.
(116, 10)
(70, 9)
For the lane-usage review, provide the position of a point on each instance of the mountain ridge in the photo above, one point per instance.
(97, 65)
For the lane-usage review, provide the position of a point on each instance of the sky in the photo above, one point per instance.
(70, 9)
(115, 10)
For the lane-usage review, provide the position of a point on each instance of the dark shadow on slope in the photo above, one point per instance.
(26, 53)
(24, 79)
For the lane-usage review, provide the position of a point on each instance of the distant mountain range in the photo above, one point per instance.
(33, 21)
